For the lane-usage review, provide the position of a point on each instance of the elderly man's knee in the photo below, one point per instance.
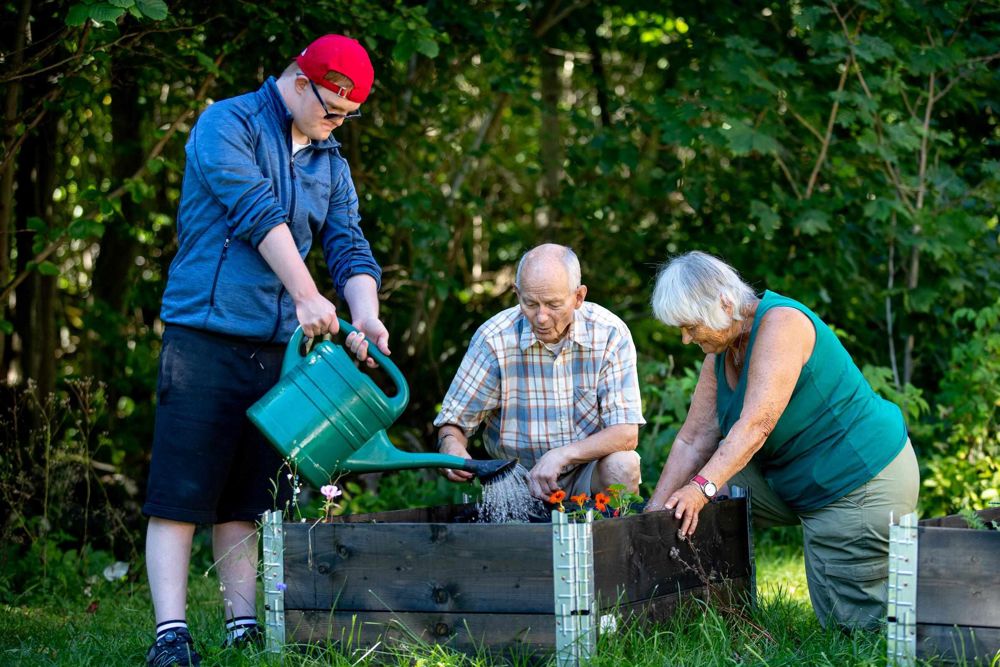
(620, 468)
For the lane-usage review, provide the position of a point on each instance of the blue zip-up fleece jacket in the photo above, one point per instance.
(240, 182)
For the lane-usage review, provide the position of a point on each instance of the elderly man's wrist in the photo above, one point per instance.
(442, 441)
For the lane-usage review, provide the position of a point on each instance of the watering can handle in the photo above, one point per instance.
(297, 350)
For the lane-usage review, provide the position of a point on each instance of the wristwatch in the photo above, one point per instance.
(707, 487)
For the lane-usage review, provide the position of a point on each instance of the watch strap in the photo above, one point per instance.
(702, 483)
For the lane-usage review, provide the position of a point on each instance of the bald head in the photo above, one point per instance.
(547, 259)
(549, 290)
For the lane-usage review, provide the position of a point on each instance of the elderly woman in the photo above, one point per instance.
(781, 408)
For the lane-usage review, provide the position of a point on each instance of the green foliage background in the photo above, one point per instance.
(844, 154)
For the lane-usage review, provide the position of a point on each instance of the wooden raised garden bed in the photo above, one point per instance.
(944, 590)
(531, 588)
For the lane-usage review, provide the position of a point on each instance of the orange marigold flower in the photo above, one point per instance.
(557, 497)
(601, 502)
(580, 499)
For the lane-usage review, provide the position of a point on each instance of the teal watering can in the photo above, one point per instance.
(327, 417)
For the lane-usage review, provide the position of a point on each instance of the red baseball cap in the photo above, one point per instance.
(339, 54)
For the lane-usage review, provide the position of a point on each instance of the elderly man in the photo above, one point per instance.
(554, 381)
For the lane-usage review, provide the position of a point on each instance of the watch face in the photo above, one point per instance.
(711, 489)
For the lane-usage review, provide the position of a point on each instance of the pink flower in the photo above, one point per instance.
(330, 491)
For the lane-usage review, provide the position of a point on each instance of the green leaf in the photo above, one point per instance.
(207, 62)
(85, 228)
(428, 47)
(36, 224)
(6, 326)
(154, 9)
(870, 49)
(744, 139)
(768, 219)
(124, 4)
(77, 15)
(809, 17)
(786, 67)
(105, 13)
(47, 268)
(813, 222)
(403, 49)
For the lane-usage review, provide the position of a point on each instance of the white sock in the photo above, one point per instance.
(167, 626)
(237, 627)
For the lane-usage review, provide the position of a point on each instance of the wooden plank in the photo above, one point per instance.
(958, 577)
(436, 514)
(519, 634)
(641, 556)
(659, 609)
(965, 645)
(957, 521)
(419, 567)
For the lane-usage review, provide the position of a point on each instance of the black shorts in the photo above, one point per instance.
(210, 464)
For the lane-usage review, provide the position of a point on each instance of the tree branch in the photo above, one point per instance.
(131, 36)
(806, 124)
(825, 145)
(922, 173)
(174, 126)
(965, 73)
(788, 175)
(10, 152)
(888, 305)
(961, 22)
(60, 239)
(552, 18)
(35, 261)
(877, 120)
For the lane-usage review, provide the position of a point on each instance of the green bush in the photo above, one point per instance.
(962, 468)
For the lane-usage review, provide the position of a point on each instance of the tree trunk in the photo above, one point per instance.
(34, 316)
(550, 141)
(12, 101)
(118, 245)
(597, 70)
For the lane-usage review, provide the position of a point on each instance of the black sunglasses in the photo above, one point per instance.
(329, 114)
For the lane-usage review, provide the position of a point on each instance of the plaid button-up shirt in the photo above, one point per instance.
(532, 400)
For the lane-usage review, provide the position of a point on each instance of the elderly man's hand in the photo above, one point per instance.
(453, 447)
(543, 478)
(686, 502)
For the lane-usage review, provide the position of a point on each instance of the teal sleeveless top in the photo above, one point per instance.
(835, 434)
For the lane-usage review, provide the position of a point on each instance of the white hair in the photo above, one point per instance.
(565, 254)
(690, 289)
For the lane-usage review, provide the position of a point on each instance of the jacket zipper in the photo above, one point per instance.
(291, 214)
(218, 269)
(291, 199)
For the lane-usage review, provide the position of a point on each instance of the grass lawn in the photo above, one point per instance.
(112, 626)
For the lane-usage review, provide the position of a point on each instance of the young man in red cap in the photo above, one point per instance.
(264, 179)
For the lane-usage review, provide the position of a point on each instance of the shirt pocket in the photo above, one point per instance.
(586, 409)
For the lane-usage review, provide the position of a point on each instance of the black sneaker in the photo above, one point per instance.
(174, 648)
(253, 638)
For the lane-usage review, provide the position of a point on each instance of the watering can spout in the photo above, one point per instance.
(326, 417)
(378, 454)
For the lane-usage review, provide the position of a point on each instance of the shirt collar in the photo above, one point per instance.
(578, 334)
